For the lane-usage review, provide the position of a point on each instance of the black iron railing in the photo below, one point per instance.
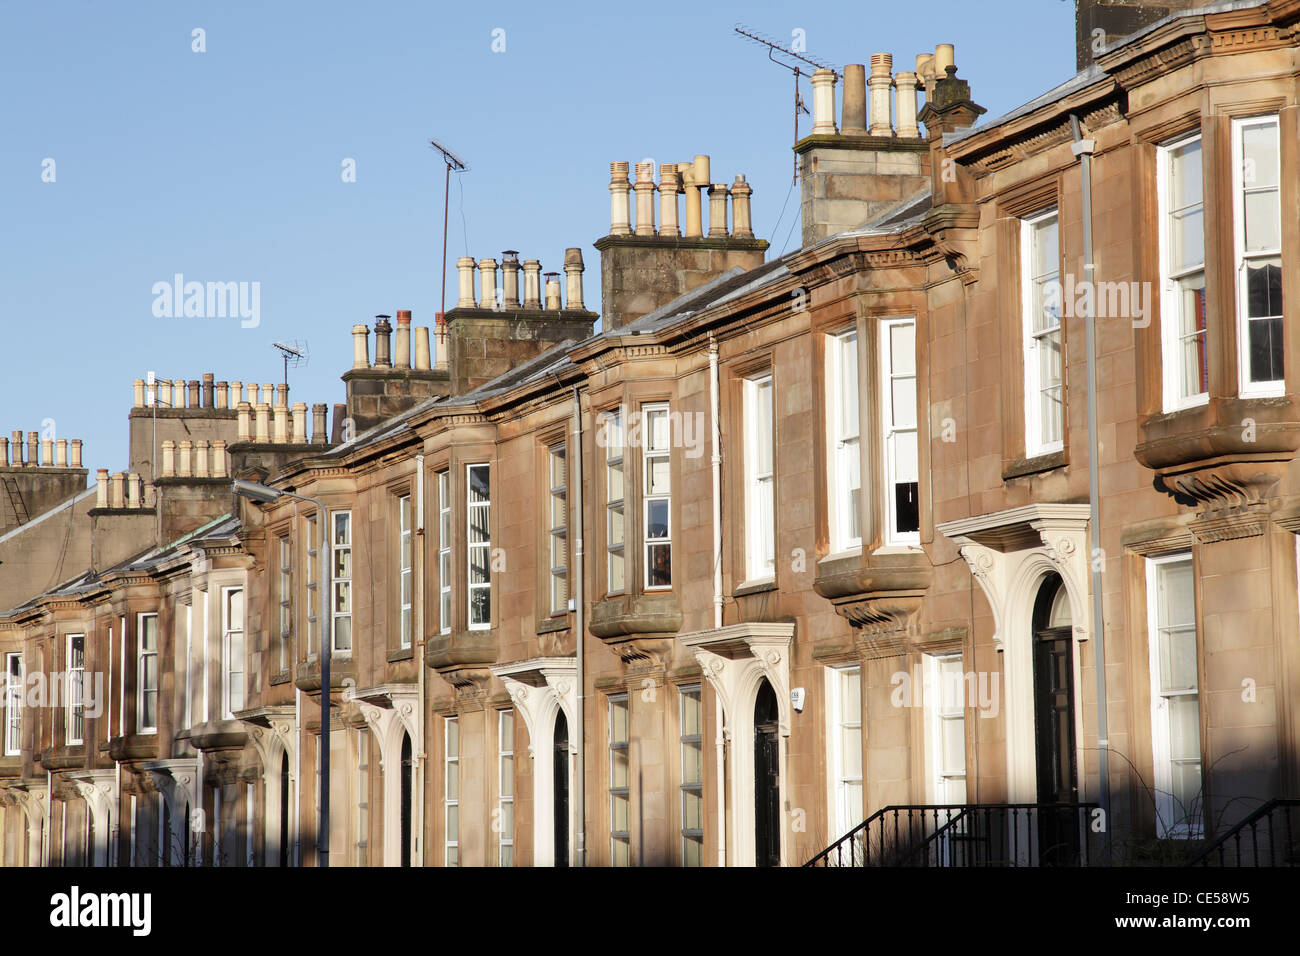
(1268, 837)
(973, 835)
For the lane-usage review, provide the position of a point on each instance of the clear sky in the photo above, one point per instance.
(227, 165)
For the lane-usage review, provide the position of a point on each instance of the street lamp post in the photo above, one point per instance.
(264, 494)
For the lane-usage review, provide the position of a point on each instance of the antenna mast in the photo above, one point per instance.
(453, 162)
(774, 48)
(294, 354)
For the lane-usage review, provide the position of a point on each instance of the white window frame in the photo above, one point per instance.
(444, 552)
(75, 668)
(1034, 445)
(691, 789)
(506, 787)
(558, 539)
(450, 802)
(234, 661)
(653, 452)
(892, 433)
(624, 792)
(471, 546)
(845, 815)
(142, 656)
(312, 586)
(1162, 776)
(844, 444)
(14, 686)
(615, 551)
(405, 573)
(1245, 387)
(760, 480)
(363, 797)
(188, 685)
(341, 584)
(940, 778)
(1172, 335)
(286, 599)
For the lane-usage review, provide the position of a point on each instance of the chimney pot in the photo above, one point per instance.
(18, 449)
(47, 452)
(137, 386)
(741, 221)
(383, 342)
(855, 100)
(4, 452)
(263, 419)
(360, 350)
(208, 385)
(116, 491)
(281, 434)
(219, 458)
(823, 84)
(133, 490)
(882, 65)
(465, 274)
(668, 177)
(101, 488)
(645, 199)
(300, 423)
(223, 395)
(694, 204)
(906, 86)
(193, 393)
(33, 449)
(573, 269)
(185, 459)
(200, 459)
(553, 292)
(510, 278)
(945, 55)
(169, 459)
(319, 411)
(244, 424)
(718, 209)
(76, 453)
(619, 200)
(422, 348)
(402, 348)
(61, 453)
(532, 285)
(487, 278)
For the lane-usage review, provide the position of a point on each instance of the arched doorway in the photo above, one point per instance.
(407, 776)
(560, 783)
(767, 779)
(1058, 781)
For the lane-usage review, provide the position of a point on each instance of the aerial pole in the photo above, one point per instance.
(453, 162)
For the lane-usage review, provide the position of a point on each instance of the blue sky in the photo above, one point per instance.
(226, 165)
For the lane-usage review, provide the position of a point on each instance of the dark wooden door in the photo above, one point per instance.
(561, 784)
(1054, 731)
(767, 781)
(407, 766)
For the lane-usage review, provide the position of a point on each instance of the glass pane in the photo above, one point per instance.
(692, 852)
(848, 381)
(453, 781)
(1264, 288)
(851, 749)
(1052, 414)
(478, 565)
(453, 821)
(691, 713)
(657, 476)
(1174, 584)
(904, 404)
(478, 483)
(559, 592)
(559, 551)
(614, 483)
(1186, 791)
(1191, 307)
(558, 473)
(692, 810)
(660, 559)
(149, 633)
(657, 426)
(618, 806)
(906, 466)
(1259, 155)
(151, 673)
(478, 606)
(616, 572)
(507, 730)
(618, 770)
(953, 731)
(692, 761)
(444, 530)
(1047, 250)
(507, 776)
(1266, 363)
(559, 513)
(343, 633)
(763, 428)
(342, 597)
(343, 563)
(1185, 175)
(618, 720)
(1049, 359)
(656, 519)
(1188, 231)
(850, 696)
(1184, 728)
(406, 550)
(1263, 226)
(149, 710)
(453, 738)
(342, 528)
(1178, 659)
(478, 525)
(622, 853)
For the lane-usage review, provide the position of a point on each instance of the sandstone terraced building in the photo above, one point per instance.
(790, 552)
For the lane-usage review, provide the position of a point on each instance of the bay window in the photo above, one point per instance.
(444, 552)
(615, 532)
(286, 599)
(405, 559)
(313, 588)
(844, 489)
(13, 704)
(478, 522)
(898, 432)
(1040, 265)
(1256, 170)
(760, 518)
(232, 650)
(76, 682)
(558, 538)
(341, 582)
(1182, 273)
(656, 498)
(146, 717)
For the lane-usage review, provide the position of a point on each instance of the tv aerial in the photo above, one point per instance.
(294, 354)
(774, 50)
(453, 162)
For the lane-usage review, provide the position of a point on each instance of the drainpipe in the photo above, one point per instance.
(579, 628)
(1083, 148)
(717, 482)
(719, 743)
(417, 636)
